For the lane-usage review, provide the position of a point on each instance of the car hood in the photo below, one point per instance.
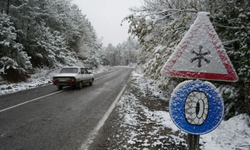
(66, 75)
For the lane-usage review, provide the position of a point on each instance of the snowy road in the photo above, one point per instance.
(43, 118)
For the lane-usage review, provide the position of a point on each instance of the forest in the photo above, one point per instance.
(43, 33)
(51, 33)
(54, 33)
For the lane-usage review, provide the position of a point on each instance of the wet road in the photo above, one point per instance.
(45, 118)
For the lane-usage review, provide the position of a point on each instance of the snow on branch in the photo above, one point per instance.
(229, 27)
(231, 41)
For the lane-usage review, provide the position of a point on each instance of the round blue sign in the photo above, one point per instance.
(196, 107)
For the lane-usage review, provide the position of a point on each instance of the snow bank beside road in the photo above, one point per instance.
(41, 77)
(233, 134)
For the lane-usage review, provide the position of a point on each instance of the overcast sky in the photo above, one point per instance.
(106, 17)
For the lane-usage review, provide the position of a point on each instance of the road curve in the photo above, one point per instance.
(40, 119)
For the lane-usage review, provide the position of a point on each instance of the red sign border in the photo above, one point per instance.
(231, 76)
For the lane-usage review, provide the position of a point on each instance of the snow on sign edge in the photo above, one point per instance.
(177, 107)
(202, 18)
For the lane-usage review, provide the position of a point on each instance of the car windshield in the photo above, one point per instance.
(69, 70)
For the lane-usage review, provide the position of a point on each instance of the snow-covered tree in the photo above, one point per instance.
(12, 54)
(110, 54)
(123, 54)
(130, 51)
(232, 22)
(50, 33)
(51, 46)
(159, 26)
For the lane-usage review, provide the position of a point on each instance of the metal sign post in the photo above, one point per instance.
(193, 142)
(196, 108)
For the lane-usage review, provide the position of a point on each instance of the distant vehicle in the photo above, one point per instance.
(73, 76)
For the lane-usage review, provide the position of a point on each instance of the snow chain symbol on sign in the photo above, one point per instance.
(196, 108)
(200, 56)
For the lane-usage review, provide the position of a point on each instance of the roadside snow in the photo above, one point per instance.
(233, 134)
(41, 77)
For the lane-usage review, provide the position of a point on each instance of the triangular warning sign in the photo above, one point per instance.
(200, 54)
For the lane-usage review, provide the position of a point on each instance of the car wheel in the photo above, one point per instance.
(59, 87)
(91, 83)
(80, 85)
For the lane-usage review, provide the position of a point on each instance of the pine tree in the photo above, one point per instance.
(159, 26)
(233, 26)
(12, 55)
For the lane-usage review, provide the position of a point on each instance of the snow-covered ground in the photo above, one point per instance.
(233, 134)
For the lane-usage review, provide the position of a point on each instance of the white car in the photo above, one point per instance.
(73, 76)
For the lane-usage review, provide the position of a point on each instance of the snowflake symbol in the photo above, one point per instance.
(200, 56)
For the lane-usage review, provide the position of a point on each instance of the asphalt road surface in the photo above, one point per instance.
(47, 119)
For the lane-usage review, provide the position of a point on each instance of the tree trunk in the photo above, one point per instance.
(247, 97)
(8, 7)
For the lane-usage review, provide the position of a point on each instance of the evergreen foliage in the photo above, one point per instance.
(45, 33)
(159, 26)
(233, 26)
(12, 54)
(123, 54)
